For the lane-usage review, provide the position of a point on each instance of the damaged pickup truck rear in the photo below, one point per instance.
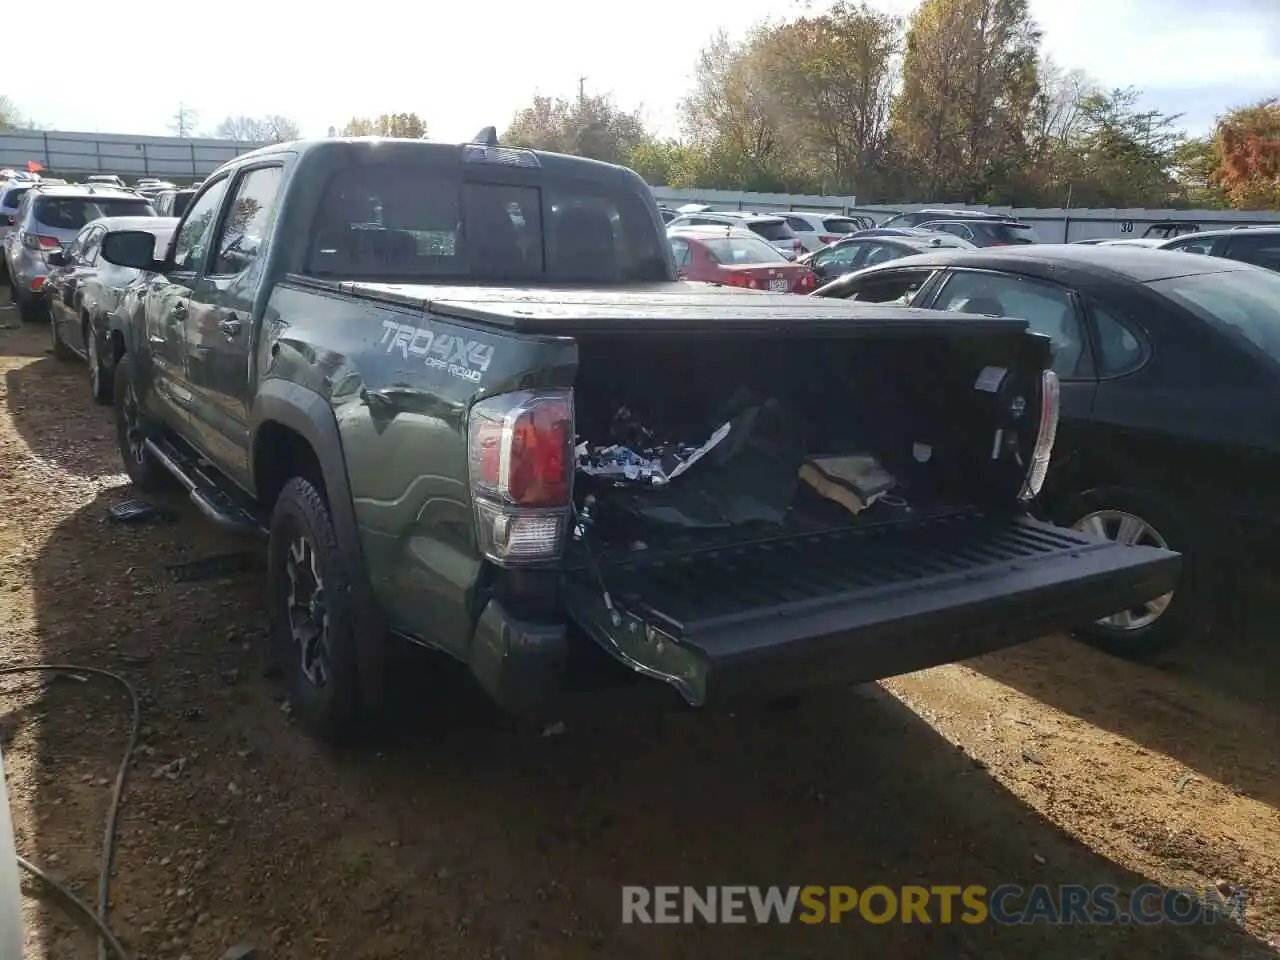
(461, 393)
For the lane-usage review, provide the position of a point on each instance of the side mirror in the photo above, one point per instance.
(55, 258)
(131, 248)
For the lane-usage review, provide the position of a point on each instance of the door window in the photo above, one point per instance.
(92, 242)
(1047, 309)
(799, 225)
(197, 229)
(1260, 249)
(1201, 245)
(247, 220)
(881, 253)
(680, 250)
(1119, 349)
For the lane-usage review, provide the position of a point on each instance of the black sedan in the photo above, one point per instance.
(856, 251)
(83, 292)
(1169, 371)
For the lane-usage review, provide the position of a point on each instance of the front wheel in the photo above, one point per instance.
(1150, 628)
(312, 631)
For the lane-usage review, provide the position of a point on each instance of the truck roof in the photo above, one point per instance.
(394, 148)
(653, 308)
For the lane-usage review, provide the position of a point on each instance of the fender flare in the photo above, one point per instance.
(311, 416)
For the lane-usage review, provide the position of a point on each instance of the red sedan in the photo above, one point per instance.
(737, 258)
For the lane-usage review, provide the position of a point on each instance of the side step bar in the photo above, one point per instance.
(210, 498)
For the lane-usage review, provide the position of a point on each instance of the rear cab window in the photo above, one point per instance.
(401, 221)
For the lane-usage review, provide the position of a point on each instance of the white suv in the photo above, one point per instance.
(816, 230)
(773, 229)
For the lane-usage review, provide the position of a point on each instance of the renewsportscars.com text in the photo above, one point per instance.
(1065, 904)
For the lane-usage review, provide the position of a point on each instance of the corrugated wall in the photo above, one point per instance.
(84, 153)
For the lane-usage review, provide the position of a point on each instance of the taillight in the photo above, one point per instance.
(736, 279)
(37, 284)
(808, 281)
(34, 241)
(521, 464)
(1046, 432)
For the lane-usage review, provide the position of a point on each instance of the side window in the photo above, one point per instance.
(1048, 310)
(898, 287)
(680, 250)
(92, 241)
(1119, 349)
(1201, 245)
(845, 256)
(74, 249)
(955, 229)
(196, 230)
(248, 217)
(798, 225)
(881, 253)
(1260, 249)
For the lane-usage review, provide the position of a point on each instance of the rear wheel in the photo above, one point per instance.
(133, 427)
(1134, 519)
(312, 628)
(30, 309)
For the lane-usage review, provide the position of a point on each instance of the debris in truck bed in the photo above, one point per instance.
(658, 464)
(854, 482)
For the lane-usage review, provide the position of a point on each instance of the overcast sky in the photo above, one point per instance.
(462, 66)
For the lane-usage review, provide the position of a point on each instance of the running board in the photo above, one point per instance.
(205, 492)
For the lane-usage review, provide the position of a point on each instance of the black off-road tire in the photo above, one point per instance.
(146, 473)
(1189, 610)
(332, 711)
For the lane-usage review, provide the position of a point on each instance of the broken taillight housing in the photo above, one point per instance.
(521, 462)
(1046, 432)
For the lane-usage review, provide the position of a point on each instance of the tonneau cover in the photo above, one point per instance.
(663, 307)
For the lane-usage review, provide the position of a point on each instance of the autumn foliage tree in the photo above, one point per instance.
(1246, 148)
(586, 126)
(406, 125)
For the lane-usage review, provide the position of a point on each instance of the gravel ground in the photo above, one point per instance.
(470, 836)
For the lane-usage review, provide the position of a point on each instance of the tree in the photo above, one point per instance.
(273, 128)
(836, 73)
(183, 122)
(8, 113)
(408, 125)
(1122, 156)
(969, 80)
(1246, 147)
(586, 126)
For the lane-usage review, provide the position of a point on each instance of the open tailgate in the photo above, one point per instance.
(855, 604)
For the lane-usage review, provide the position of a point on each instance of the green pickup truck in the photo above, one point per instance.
(461, 394)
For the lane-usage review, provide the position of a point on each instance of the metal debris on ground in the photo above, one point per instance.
(137, 512)
(213, 568)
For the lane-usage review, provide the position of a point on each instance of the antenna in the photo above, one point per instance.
(487, 136)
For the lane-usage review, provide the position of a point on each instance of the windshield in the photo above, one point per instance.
(394, 221)
(72, 213)
(1242, 302)
(772, 229)
(738, 251)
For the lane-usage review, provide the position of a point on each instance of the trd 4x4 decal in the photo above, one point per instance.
(457, 356)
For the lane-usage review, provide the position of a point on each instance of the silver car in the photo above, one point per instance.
(48, 219)
(11, 194)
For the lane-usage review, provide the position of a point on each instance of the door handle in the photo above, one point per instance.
(230, 326)
(180, 310)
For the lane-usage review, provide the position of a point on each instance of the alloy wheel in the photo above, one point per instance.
(1130, 530)
(308, 612)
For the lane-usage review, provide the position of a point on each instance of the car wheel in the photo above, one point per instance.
(312, 629)
(133, 427)
(1135, 519)
(60, 348)
(99, 375)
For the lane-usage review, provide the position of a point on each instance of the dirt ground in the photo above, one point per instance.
(470, 836)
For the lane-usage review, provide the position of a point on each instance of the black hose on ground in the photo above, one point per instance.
(99, 919)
